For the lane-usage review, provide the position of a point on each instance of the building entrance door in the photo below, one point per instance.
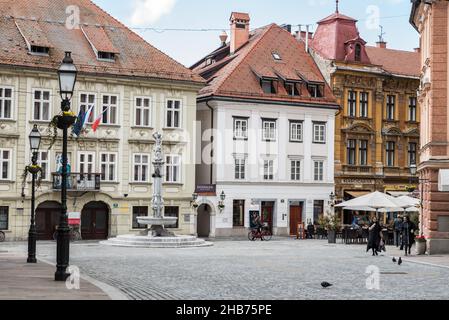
(295, 219)
(47, 218)
(267, 214)
(95, 221)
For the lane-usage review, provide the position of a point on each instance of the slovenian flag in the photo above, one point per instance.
(83, 117)
(96, 123)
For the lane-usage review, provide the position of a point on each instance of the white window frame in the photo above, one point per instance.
(112, 108)
(320, 135)
(2, 103)
(173, 110)
(47, 162)
(108, 163)
(88, 105)
(295, 171)
(41, 101)
(239, 169)
(142, 109)
(271, 129)
(86, 162)
(268, 170)
(318, 171)
(239, 133)
(140, 165)
(170, 165)
(294, 123)
(10, 163)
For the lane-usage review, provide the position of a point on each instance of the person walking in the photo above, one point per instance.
(374, 237)
(408, 235)
(397, 230)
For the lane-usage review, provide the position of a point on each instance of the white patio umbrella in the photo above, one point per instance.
(369, 209)
(413, 202)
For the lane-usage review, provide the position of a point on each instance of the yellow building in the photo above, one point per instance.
(377, 130)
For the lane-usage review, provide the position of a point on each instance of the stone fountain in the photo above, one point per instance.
(156, 235)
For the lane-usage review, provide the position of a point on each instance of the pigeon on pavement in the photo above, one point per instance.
(400, 261)
(394, 260)
(326, 284)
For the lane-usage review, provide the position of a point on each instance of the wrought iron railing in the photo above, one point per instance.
(78, 181)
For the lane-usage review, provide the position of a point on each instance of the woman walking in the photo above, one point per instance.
(374, 237)
(408, 235)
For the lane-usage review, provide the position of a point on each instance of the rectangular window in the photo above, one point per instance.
(239, 169)
(141, 167)
(364, 96)
(315, 91)
(173, 116)
(41, 105)
(269, 130)
(352, 103)
(295, 173)
(238, 213)
(240, 128)
(110, 109)
(88, 101)
(268, 86)
(5, 164)
(139, 212)
(108, 163)
(143, 112)
(412, 109)
(412, 153)
(295, 131)
(319, 132)
(391, 107)
(5, 103)
(268, 170)
(318, 170)
(363, 152)
(351, 148)
(390, 152)
(43, 162)
(4, 218)
(172, 212)
(173, 169)
(318, 210)
(86, 162)
(292, 89)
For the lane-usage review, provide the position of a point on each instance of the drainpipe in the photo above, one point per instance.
(212, 141)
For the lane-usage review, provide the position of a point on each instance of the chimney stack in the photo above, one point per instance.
(418, 50)
(239, 30)
(223, 38)
(381, 44)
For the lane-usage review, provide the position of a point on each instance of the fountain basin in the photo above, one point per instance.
(150, 221)
(132, 241)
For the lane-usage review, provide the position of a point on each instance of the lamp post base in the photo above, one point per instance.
(32, 237)
(61, 275)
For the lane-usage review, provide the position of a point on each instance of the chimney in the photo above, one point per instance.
(287, 27)
(418, 50)
(223, 38)
(381, 44)
(239, 30)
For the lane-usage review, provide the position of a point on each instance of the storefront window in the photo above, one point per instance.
(238, 216)
(318, 210)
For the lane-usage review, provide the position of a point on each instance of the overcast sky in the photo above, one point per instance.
(189, 46)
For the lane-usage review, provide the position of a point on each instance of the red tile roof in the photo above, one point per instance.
(399, 62)
(239, 77)
(48, 18)
(240, 16)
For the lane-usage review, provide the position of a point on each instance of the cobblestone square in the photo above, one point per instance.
(281, 269)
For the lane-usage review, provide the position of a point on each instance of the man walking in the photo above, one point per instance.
(398, 231)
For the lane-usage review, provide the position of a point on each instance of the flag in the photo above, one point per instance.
(78, 126)
(96, 123)
(87, 115)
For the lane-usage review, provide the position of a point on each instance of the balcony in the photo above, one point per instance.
(349, 169)
(83, 182)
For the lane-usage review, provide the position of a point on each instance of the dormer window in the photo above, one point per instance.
(107, 56)
(316, 91)
(292, 89)
(276, 56)
(268, 86)
(358, 52)
(209, 61)
(38, 50)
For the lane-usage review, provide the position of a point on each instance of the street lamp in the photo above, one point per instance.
(193, 202)
(35, 141)
(223, 196)
(67, 77)
(221, 204)
(413, 172)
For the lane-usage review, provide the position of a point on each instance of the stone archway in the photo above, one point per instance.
(204, 218)
(48, 214)
(95, 221)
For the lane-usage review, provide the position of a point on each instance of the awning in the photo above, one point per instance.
(398, 193)
(356, 194)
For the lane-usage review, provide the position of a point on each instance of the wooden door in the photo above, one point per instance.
(267, 214)
(95, 222)
(295, 219)
(47, 218)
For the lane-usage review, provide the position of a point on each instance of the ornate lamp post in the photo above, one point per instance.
(35, 141)
(67, 77)
(194, 198)
(221, 204)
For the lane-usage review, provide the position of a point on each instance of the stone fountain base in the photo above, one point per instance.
(132, 241)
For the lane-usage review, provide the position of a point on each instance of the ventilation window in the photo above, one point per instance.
(268, 86)
(109, 56)
(276, 56)
(209, 61)
(358, 52)
(40, 50)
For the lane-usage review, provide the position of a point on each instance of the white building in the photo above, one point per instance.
(271, 147)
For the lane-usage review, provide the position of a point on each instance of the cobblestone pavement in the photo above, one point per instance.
(282, 269)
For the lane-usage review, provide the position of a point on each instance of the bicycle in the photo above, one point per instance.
(264, 234)
(2, 236)
(75, 235)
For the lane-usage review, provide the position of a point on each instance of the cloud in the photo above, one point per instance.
(150, 11)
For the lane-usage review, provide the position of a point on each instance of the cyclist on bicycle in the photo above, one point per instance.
(258, 223)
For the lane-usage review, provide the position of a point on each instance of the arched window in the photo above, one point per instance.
(358, 52)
